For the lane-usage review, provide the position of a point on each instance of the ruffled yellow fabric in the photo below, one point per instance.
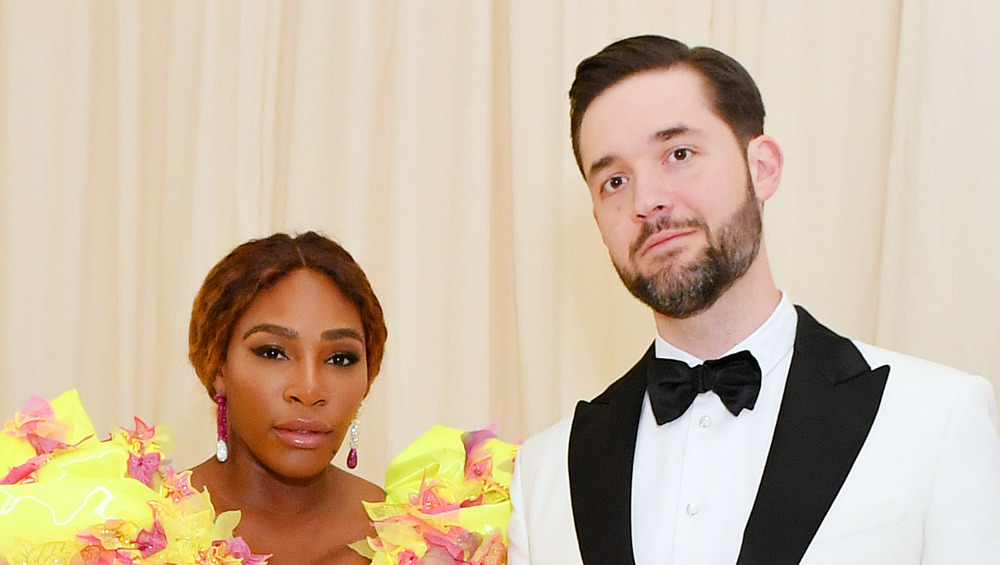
(102, 502)
(447, 501)
(68, 410)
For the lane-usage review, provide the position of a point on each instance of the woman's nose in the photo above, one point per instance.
(305, 386)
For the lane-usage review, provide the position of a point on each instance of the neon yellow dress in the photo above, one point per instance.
(68, 498)
(447, 502)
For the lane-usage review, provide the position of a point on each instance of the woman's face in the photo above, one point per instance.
(295, 373)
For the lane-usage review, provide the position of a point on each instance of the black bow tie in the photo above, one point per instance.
(673, 386)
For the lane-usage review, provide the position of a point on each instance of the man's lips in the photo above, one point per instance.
(305, 434)
(661, 237)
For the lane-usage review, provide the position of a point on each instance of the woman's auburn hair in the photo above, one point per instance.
(257, 265)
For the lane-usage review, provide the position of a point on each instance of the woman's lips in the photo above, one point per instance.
(302, 434)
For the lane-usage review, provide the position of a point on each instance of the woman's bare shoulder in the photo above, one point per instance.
(357, 488)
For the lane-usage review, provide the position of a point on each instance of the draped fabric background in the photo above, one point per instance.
(141, 141)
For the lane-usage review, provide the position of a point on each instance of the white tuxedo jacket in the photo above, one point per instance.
(897, 465)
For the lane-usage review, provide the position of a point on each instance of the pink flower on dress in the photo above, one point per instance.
(492, 552)
(97, 555)
(232, 551)
(138, 439)
(36, 424)
(177, 486)
(110, 543)
(407, 557)
(479, 461)
(142, 468)
(430, 501)
(457, 543)
(26, 472)
(150, 542)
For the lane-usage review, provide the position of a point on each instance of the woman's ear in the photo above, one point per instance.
(764, 160)
(219, 384)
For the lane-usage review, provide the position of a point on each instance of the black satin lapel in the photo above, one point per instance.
(830, 402)
(601, 451)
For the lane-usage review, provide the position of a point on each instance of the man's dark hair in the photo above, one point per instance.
(736, 98)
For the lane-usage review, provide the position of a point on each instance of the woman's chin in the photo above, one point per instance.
(302, 468)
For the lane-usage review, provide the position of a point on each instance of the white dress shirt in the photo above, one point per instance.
(695, 478)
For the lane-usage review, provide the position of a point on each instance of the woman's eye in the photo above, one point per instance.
(270, 352)
(344, 359)
(614, 183)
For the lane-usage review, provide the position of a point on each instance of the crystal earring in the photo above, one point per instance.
(222, 431)
(352, 455)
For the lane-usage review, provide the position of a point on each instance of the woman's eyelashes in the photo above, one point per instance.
(269, 352)
(339, 358)
(344, 358)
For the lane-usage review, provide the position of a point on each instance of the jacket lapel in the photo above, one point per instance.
(601, 451)
(831, 398)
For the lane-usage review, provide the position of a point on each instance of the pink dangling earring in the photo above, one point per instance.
(352, 455)
(222, 430)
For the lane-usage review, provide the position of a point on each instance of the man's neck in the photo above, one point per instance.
(741, 309)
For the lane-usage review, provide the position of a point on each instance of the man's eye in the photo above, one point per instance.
(614, 183)
(344, 359)
(680, 154)
(270, 352)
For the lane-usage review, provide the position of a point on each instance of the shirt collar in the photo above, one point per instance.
(768, 344)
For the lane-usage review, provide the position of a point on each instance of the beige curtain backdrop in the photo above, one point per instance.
(140, 141)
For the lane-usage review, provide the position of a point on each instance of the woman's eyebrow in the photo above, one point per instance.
(341, 333)
(272, 329)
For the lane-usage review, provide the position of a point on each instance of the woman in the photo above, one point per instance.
(287, 336)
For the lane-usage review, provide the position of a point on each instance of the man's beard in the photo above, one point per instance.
(681, 291)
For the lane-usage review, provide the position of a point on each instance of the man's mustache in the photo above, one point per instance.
(665, 222)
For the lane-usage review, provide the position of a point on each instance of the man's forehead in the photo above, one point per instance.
(678, 88)
(648, 107)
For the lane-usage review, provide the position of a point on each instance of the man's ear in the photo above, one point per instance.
(765, 160)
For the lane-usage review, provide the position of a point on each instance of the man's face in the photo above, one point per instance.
(671, 189)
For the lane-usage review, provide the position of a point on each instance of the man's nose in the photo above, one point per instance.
(652, 195)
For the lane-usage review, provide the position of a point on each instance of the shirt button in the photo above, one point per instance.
(705, 422)
(691, 509)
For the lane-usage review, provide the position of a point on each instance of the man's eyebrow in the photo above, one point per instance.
(272, 329)
(667, 134)
(600, 164)
(339, 333)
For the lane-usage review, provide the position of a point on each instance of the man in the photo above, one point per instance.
(791, 444)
